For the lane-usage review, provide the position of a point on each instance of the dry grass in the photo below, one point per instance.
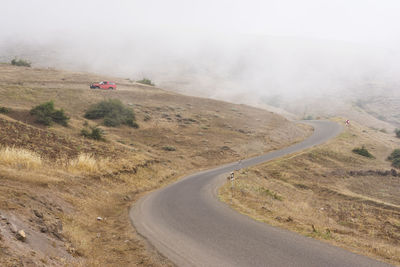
(86, 163)
(20, 158)
(313, 193)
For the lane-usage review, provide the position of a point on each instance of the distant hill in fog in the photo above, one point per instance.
(285, 73)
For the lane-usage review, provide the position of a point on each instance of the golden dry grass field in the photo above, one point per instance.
(330, 193)
(71, 195)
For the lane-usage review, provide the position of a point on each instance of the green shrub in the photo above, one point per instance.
(169, 148)
(270, 193)
(4, 110)
(395, 154)
(395, 158)
(363, 152)
(147, 117)
(309, 117)
(146, 81)
(59, 117)
(46, 114)
(113, 113)
(20, 62)
(132, 123)
(396, 163)
(397, 132)
(381, 117)
(94, 133)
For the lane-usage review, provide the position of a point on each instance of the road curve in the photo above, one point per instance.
(187, 223)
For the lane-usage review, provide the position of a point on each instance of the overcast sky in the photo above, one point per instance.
(320, 43)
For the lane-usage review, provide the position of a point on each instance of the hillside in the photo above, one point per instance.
(71, 195)
(330, 193)
(376, 109)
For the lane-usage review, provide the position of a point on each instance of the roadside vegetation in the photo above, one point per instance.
(113, 113)
(20, 62)
(46, 114)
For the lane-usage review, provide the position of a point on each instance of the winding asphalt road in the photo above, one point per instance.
(187, 223)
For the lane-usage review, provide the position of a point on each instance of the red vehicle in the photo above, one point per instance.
(104, 85)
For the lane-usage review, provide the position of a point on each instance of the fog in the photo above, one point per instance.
(241, 51)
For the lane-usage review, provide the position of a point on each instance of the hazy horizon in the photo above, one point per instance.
(230, 50)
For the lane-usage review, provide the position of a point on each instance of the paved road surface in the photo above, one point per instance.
(186, 223)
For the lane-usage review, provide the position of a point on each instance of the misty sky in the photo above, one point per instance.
(351, 20)
(218, 46)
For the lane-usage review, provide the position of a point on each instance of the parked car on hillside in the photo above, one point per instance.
(104, 85)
